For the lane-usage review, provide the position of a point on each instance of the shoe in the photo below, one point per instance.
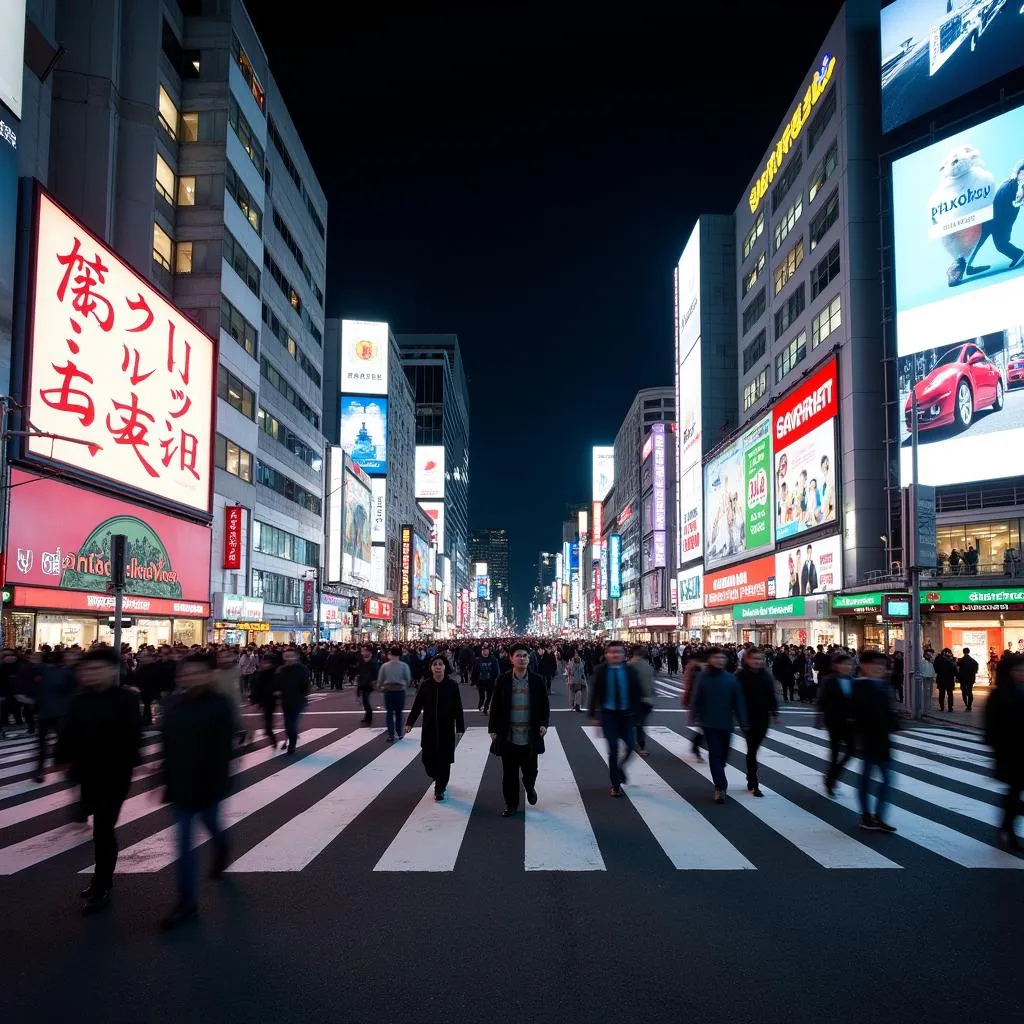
(1009, 841)
(1014, 262)
(283, 746)
(391, 738)
(971, 271)
(751, 787)
(88, 891)
(37, 778)
(869, 823)
(615, 791)
(622, 777)
(756, 791)
(96, 901)
(883, 826)
(641, 753)
(508, 812)
(830, 788)
(178, 916)
(438, 795)
(531, 796)
(719, 797)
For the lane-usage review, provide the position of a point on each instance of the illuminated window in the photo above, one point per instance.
(167, 113)
(183, 258)
(750, 278)
(164, 180)
(788, 221)
(187, 190)
(237, 190)
(245, 66)
(755, 234)
(190, 127)
(789, 265)
(236, 394)
(755, 389)
(795, 352)
(823, 171)
(827, 321)
(238, 327)
(233, 459)
(163, 247)
(244, 133)
(824, 219)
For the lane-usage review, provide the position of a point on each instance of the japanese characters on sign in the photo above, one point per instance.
(406, 581)
(233, 537)
(364, 357)
(377, 608)
(120, 383)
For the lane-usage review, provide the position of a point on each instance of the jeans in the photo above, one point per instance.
(367, 706)
(617, 726)
(485, 689)
(838, 736)
(865, 782)
(967, 692)
(946, 697)
(755, 737)
(394, 705)
(104, 840)
(187, 855)
(645, 713)
(46, 726)
(291, 725)
(516, 759)
(718, 751)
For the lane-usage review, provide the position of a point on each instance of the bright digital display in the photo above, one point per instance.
(738, 497)
(435, 512)
(812, 568)
(356, 547)
(429, 473)
(959, 256)
(614, 566)
(364, 432)
(420, 574)
(603, 473)
(936, 50)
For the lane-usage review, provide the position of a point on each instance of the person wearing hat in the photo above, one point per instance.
(517, 723)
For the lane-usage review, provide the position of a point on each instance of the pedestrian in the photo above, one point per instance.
(758, 688)
(835, 705)
(645, 676)
(717, 701)
(576, 677)
(226, 679)
(99, 742)
(691, 670)
(198, 730)
(1004, 733)
(393, 678)
(945, 678)
(293, 683)
(56, 689)
(784, 671)
(366, 679)
(441, 703)
(967, 673)
(615, 695)
(874, 722)
(483, 675)
(517, 723)
(548, 665)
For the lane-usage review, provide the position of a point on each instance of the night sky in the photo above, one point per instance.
(528, 182)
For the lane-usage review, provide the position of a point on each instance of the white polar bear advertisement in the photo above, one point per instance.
(960, 205)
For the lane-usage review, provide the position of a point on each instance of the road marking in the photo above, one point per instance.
(970, 743)
(689, 840)
(431, 837)
(806, 831)
(923, 832)
(559, 836)
(924, 764)
(964, 756)
(28, 766)
(303, 838)
(66, 837)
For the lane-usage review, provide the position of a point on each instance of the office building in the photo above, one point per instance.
(491, 546)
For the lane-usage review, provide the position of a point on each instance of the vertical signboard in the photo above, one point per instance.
(233, 537)
(378, 524)
(12, 54)
(597, 519)
(428, 478)
(9, 127)
(581, 524)
(689, 481)
(597, 593)
(335, 517)
(614, 566)
(406, 579)
(660, 498)
(603, 471)
(364, 357)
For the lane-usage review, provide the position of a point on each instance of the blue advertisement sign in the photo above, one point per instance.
(614, 566)
(574, 556)
(364, 432)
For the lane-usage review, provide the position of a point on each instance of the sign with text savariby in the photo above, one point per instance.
(117, 382)
(59, 544)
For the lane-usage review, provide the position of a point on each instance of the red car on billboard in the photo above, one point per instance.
(963, 381)
(1015, 372)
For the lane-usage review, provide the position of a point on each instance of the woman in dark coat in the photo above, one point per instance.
(1004, 733)
(439, 700)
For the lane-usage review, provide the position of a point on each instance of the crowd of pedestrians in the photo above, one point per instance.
(97, 706)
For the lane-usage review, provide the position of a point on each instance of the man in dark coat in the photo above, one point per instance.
(198, 730)
(945, 677)
(441, 703)
(967, 673)
(874, 721)
(99, 741)
(758, 688)
(1004, 733)
(836, 706)
(782, 669)
(616, 695)
(366, 679)
(293, 684)
(56, 688)
(517, 723)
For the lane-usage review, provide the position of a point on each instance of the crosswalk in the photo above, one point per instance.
(944, 803)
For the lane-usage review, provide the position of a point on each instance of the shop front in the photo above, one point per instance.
(335, 618)
(59, 569)
(862, 626)
(378, 619)
(803, 621)
(238, 620)
(652, 628)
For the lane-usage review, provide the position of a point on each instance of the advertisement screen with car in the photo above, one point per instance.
(959, 254)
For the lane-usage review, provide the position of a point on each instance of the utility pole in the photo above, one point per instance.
(914, 572)
(118, 546)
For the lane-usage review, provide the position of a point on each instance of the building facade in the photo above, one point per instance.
(491, 546)
(166, 135)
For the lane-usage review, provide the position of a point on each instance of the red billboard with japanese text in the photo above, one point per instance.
(58, 544)
(233, 537)
(119, 384)
(748, 581)
(378, 608)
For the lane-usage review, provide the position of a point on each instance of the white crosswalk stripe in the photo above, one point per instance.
(936, 782)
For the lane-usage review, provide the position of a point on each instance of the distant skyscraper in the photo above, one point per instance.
(491, 546)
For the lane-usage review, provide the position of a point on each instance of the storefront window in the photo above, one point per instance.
(188, 631)
(67, 630)
(997, 544)
(19, 629)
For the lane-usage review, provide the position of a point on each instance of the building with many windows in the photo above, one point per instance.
(491, 546)
(163, 130)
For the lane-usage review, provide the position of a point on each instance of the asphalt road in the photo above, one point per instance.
(665, 923)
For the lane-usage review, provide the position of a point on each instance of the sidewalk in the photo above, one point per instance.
(959, 717)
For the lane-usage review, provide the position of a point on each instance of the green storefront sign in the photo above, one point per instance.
(858, 602)
(757, 474)
(783, 608)
(980, 599)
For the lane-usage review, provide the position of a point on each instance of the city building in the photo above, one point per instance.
(161, 129)
(491, 546)
(638, 510)
(546, 571)
(433, 364)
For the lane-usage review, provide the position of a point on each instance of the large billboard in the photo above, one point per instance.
(959, 256)
(429, 473)
(335, 519)
(690, 589)
(364, 357)
(688, 295)
(614, 566)
(12, 54)
(59, 552)
(364, 432)
(118, 383)
(660, 497)
(936, 50)
(603, 471)
(748, 581)
(356, 555)
(812, 568)
(738, 497)
(420, 574)
(435, 512)
(804, 451)
(691, 490)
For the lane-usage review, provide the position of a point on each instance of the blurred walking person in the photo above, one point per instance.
(576, 678)
(99, 742)
(293, 684)
(692, 669)
(874, 721)
(1004, 733)
(393, 678)
(440, 702)
(615, 697)
(836, 707)
(56, 689)
(645, 677)
(198, 730)
(758, 688)
(718, 701)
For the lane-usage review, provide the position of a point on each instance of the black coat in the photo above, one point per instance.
(874, 716)
(759, 693)
(1004, 732)
(293, 682)
(836, 707)
(782, 668)
(441, 704)
(100, 741)
(599, 689)
(198, 729)
(500, 721)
